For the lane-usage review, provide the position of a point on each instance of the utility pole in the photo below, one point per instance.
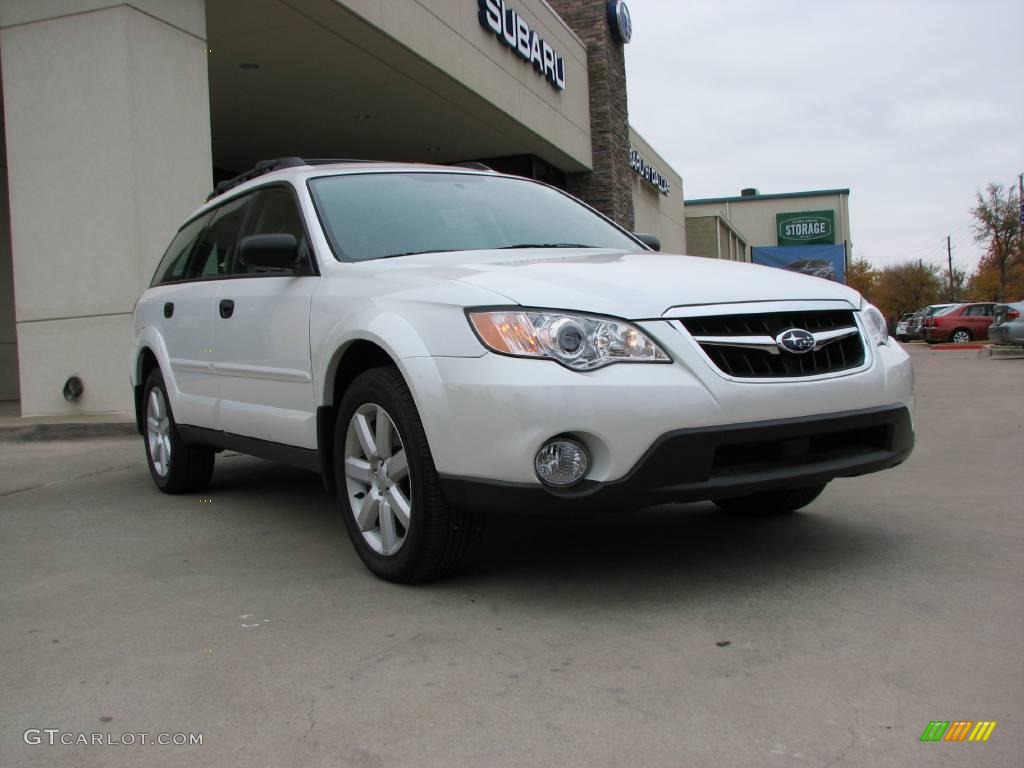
(949, 254)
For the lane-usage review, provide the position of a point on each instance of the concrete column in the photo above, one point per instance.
(107, 123)
(609, 187)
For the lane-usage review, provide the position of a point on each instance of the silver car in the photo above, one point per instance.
(1007, 324)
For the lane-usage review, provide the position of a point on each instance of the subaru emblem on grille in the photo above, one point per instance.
(796, 340)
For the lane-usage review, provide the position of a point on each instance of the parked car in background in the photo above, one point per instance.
(1007, 324)
(903, 326)
(960, 324)
(917, 323)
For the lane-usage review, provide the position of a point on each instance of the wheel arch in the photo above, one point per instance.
(351, 359)
(957, 330)
(145, 362)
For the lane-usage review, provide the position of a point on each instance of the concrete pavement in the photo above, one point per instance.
(680, 637)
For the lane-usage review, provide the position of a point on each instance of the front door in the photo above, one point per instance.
(262, 334)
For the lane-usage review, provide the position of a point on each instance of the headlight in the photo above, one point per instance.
(579, 342)
(878, 329)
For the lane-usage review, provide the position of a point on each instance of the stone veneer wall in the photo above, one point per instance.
(609, 186)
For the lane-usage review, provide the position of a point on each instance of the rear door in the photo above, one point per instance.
(977, 318)
(176, 307)
(263, 358)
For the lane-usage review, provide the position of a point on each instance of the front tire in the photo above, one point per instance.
(768, 503)
(399, 522)
(174, 465)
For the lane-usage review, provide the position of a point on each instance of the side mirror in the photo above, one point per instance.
(269, 251)
(651, 241)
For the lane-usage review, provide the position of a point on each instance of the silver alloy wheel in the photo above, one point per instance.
(158, 432)
(377, 479)
(961, 337)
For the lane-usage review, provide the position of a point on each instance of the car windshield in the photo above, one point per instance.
(944, 310)
(383, 215)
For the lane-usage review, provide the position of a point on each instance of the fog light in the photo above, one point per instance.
(561, 462)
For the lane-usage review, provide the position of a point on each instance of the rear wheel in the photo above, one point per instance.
(961, 336)
(175, 466)
(772, 502)
(399, 522)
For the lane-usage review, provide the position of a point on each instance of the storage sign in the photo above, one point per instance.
(512, 30)
(807, 228)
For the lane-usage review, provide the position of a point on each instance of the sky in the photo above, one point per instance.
(912, 105)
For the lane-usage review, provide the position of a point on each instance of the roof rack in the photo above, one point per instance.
(268, 166)
(473, 164)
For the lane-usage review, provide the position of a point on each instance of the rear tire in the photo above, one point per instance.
(399, 522)
(767, 503)
(961, 336)
(174, 465)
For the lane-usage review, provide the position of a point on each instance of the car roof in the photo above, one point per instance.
(297, 171)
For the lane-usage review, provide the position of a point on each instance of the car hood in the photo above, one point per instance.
(630, 285)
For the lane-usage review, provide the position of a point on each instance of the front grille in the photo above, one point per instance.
(769, 362)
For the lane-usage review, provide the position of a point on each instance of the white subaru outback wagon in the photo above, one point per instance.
(437, 342)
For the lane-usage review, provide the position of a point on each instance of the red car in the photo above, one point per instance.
(960, 324)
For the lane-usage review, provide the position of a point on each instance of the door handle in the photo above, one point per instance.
(227, 307)
(168, 309)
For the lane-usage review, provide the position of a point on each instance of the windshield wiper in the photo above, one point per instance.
(545, 245)
(415, 253)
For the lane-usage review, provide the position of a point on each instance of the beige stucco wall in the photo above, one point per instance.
(448, 35)
(714, 238)
(662, 215)
(754, 218)
(108, 149)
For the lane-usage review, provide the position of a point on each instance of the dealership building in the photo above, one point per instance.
(118, 117)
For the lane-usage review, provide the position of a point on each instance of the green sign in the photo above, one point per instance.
(807, 228)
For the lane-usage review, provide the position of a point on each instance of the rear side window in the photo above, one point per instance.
(217, 246)
(174, 264)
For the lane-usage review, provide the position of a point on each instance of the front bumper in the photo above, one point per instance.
(717, 462)
(486, 417)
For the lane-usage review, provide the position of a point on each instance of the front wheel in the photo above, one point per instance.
(397, 518)
(772, 502)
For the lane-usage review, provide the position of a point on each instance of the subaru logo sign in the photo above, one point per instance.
(620, 21)
(796, 340)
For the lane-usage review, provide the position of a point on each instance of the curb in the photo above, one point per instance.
(66, 431)
(961, 347)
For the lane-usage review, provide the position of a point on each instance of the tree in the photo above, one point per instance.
(907, 287)
(983, 284)
(997, 227)
(863, 277)
(956, 286)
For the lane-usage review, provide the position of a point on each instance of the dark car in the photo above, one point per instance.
(813, 267)
(914, 330)
(1007, 324)
(960, 324)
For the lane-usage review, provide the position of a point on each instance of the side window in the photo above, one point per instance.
(975, 311)
(274, 212)
(217, 246)
(174, 264)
